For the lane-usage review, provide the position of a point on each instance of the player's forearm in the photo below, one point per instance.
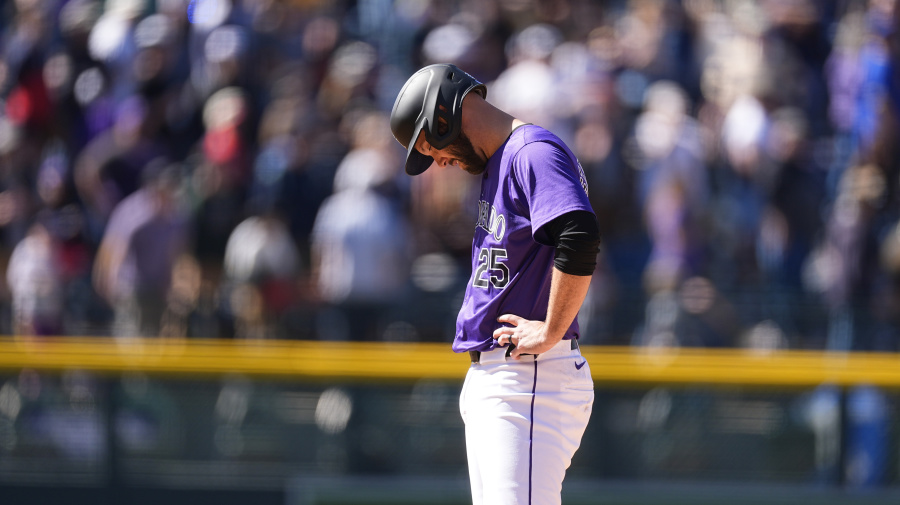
(567, 293)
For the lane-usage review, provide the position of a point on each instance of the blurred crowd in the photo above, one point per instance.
(225, 169)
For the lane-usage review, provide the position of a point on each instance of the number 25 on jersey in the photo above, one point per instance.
(490, 261)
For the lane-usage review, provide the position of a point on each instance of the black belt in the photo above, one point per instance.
(475, 356)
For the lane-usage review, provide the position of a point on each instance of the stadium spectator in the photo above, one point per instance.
(145, 236)
(718, 138)
(360, 241)
(35, 282)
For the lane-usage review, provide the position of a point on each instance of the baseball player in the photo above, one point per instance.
(528, 394)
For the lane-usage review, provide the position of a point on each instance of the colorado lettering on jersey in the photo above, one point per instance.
(490, 269)
(490, 220)
(582, 178)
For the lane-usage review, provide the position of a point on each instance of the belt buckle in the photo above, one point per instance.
(475, 356)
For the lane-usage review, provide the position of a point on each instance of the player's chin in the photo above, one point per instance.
(473, 169)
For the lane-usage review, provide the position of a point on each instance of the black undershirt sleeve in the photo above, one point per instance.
(576, 236)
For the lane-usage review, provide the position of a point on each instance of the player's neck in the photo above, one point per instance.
(487, 126)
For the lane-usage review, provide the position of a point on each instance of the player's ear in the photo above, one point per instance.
(443, 126)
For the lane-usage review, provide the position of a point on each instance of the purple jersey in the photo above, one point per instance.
(530, 180)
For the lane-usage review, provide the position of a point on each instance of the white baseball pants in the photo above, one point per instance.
(524, 421)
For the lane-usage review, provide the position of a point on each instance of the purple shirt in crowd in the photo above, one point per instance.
(530, 180)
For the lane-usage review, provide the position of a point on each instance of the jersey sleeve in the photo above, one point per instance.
(550, 182)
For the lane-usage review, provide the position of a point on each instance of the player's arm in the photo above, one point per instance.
(576, 236)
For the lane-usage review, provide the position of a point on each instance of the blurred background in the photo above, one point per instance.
(224, 169)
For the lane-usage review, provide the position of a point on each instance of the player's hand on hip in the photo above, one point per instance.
(528, 336)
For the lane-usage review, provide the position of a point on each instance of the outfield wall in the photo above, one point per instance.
(304, 423)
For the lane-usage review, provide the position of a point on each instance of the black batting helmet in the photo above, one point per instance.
(418, 107)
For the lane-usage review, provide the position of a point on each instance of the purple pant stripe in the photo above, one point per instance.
(531, 434)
